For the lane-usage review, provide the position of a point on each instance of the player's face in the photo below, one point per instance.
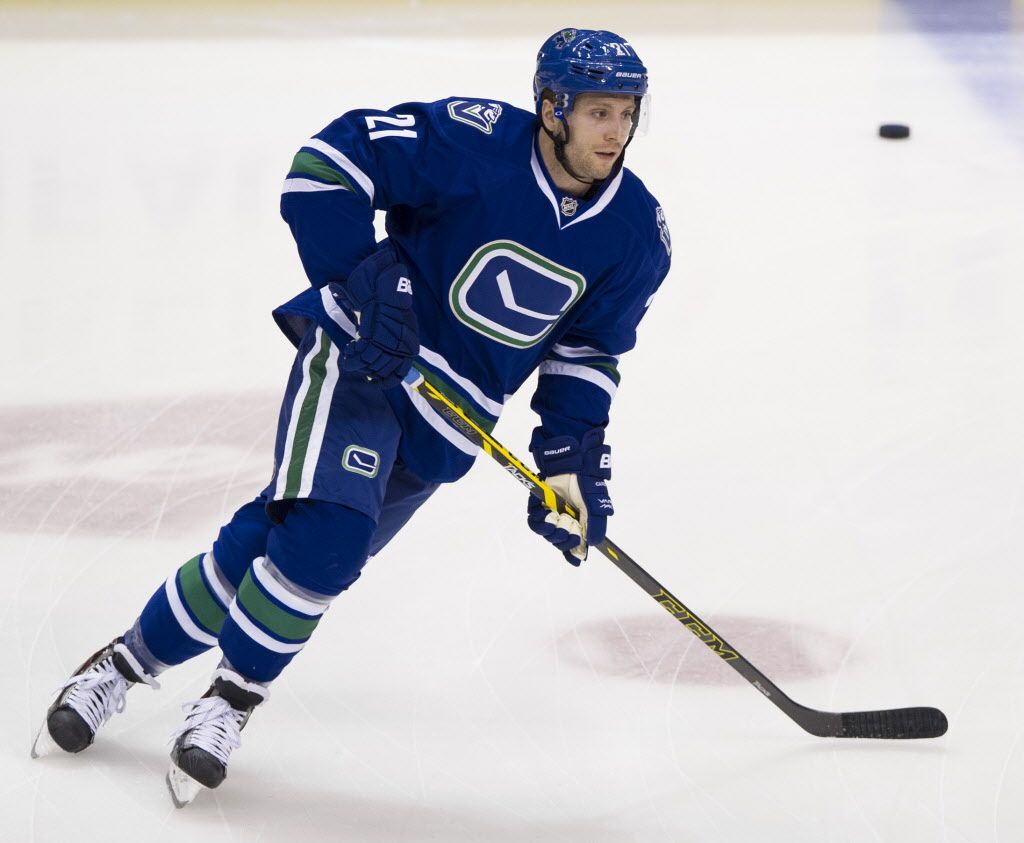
(599, 127)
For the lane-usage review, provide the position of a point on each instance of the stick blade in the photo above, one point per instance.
(893, 724)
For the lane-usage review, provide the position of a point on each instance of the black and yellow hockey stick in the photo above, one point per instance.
(886, 723)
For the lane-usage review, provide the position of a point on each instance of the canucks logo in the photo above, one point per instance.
(361, 460)
(513, 295)
(479, 115)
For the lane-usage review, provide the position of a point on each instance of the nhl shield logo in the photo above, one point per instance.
(569, 205)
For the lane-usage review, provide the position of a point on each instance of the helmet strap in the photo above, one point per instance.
(560, 143)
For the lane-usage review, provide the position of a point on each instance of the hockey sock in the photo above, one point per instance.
(184, 616)
(314, 555)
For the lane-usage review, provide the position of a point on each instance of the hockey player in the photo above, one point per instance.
(516, 242)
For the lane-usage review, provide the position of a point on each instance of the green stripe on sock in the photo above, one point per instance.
(307, 164)
(307, 415)
(282, 622)
(201, 603)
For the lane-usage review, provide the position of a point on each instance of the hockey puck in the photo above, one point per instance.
(894, 131)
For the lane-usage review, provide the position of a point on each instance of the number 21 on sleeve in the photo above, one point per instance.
(401, 120)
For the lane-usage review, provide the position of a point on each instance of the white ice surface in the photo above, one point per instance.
(818, 448)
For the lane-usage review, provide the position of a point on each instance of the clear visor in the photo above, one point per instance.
(643, 116)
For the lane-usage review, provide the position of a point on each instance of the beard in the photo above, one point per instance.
(585, 164)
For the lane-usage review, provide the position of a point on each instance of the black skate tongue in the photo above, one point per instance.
(238, 698)
(125, 669)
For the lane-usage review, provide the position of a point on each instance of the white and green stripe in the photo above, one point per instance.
(181, 614)
(258, 635)
(279, 591)
(576, 351)
(308, 420)
(294, 185)
(344, 163)
(221, 587)
(252, 601)
(281, 623)
(431, 417)
(556, 367)
(489, 405)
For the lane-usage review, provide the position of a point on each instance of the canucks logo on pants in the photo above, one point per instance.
(361, 460)
(513, 295)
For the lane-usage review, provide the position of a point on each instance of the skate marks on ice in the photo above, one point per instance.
(338, 807)
(656, 649)
(111, 468)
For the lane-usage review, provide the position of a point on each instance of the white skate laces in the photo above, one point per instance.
(212, 729)
(213, 725)
(97, 694)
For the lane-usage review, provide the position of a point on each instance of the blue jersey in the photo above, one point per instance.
(509, 274)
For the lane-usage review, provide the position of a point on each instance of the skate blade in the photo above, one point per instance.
(44, 744)
(182, 786)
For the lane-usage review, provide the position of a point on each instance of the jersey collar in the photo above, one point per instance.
(544, 183)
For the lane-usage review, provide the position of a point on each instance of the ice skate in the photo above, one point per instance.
(212, 729)
(89, 699)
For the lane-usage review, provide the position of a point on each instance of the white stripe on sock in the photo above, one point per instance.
(209, 566)
(281, 593)
(181, 614)
(258, 635)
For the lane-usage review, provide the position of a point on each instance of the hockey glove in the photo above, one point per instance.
(380, 290)
(579, 472)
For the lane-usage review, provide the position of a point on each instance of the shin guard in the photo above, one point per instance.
(184, 616)
(315, 554)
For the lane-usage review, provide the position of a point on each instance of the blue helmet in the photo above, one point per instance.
(580, 61)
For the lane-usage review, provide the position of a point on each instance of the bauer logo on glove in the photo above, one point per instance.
(579, 472)
(380, 290)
